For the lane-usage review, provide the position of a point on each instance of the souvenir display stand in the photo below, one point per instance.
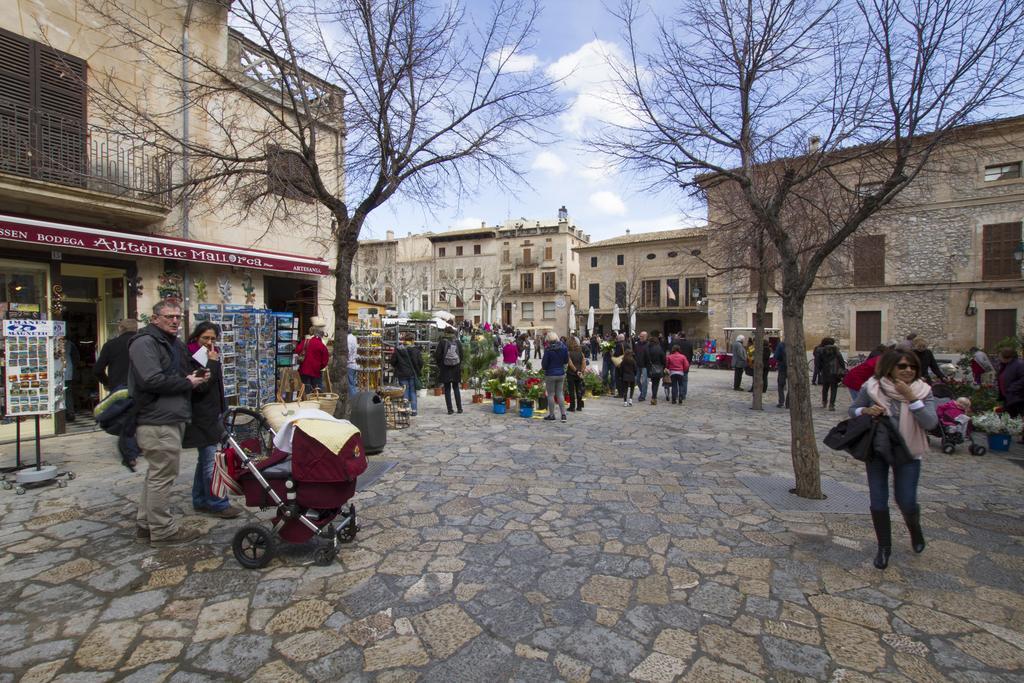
(397, 411)
(33, 387)
(249, 351)
(369, 358)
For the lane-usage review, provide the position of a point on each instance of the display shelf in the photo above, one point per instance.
(369, 358)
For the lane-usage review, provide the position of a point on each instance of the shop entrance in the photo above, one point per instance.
(288, 295)
(95, 301)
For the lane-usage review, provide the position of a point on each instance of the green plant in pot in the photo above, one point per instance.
(481, 357)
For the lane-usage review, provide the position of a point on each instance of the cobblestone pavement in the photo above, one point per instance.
(619, 546)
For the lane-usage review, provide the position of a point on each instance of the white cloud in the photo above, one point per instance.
(512, 62)
(588, 74)
(550, 162)
(608, 203)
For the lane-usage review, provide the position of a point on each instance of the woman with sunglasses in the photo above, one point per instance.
(898, 393)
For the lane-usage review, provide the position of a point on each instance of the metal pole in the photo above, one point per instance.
(39, 457)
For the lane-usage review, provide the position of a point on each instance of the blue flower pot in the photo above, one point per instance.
(525, 408)
(999, 442)
(499, 406)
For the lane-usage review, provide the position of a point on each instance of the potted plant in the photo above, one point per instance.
(477, 367)
(999, 427)
(592, 383)
(531, 392)
(426, 373)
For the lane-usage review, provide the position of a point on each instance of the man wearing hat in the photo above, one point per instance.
(313, 355)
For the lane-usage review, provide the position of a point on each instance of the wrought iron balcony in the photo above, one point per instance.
(54, 149)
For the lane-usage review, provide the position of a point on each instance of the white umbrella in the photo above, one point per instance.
(632, 322)
(572, 317)
(590, 321)
(616, 323)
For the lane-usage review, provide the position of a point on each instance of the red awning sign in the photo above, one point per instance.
(59, 235)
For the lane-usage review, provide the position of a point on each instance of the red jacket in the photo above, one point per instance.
(317, 356)
(676, 363)
(860, 373)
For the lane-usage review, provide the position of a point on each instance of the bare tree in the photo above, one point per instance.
(818, 113)
(628, 292)
(435, 101)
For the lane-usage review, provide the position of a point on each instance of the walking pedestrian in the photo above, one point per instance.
(685, 346)
(161, 385)
(448, 358)
(206, 429)
(927, 360)
(898, 394)
(980, 364)
(314, 357)
(833, 367)
(627, 376)
(816, 356)
(678, 367)
(574, 373)
(643, 365)
(111, 367)
(510, 353)
(739, 362)
(782, 370)
(1011, 381)
(553, 362)
(407, 362)
(655, 366)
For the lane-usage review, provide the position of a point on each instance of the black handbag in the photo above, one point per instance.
(856, 436)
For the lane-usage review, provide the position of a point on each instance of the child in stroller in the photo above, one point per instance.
(306, 471)
(954, 426)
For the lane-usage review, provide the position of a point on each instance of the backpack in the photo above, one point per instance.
(451, 354)
(112, 412)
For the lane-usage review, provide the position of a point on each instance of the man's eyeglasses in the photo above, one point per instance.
(171, 317)
(905, 366)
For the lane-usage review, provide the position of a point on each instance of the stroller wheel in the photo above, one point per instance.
(978, 450)
(254, 546)
(948, 449)
(324, 556)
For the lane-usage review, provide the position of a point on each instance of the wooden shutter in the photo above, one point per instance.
(868, 330)
(595, 294)
(60, 130)
(15, 103)
(997, 244)
(869, 261)
(1000, 323)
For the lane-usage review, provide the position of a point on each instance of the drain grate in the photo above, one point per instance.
(991, 521)
(375, 469)
(775, 492)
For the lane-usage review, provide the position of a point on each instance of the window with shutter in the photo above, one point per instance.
(548, 281)
(869, 330)
(1000, 323)
(42, 111)
(997, 244)
(595, 294)
(869, 261)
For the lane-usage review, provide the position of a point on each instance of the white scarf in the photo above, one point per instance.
(884, 392)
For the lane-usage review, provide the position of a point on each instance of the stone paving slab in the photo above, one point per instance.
(622, 545)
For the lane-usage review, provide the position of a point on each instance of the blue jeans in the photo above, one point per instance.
(643, 384)
(410, 391)
(201, 496)
(312, 383)
(353, 383)
(679, 384)
(904, 484)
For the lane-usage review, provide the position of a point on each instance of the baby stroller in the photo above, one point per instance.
(954, 427)
(307, 487)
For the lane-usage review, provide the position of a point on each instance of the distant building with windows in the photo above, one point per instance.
(944, 261)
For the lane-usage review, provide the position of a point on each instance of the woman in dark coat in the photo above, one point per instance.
(627, 376)
(205, 430)
(656, 366)
(408, 363)
(831, 369)
(449, 374)
(927, 360)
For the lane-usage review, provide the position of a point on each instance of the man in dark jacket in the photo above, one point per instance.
(739, 362)
(1011, 381)
(643, 365)
(448, 356)
(157, 381)
(112, 364)
(408, 363)
(685, 345)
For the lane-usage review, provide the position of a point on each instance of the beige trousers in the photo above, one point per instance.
(161, 447)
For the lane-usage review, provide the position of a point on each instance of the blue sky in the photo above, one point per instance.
(573, 37)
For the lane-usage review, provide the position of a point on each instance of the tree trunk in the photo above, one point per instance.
(338, 366)
(803, 442)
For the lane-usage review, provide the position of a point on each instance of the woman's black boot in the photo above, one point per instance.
(883, 532)
(913, 519)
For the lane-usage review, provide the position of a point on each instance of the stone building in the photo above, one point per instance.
(394, 272)
(89, 227)
(944, 261)
(654, 274)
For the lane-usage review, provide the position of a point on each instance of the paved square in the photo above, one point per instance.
(621, 545)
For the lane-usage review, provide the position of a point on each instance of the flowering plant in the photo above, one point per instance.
(607, 346)
(998, 423)
(533, 389)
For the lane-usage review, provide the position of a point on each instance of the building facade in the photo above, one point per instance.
(944, 262)
(90, 229)
(654, 274)
(396, 273)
